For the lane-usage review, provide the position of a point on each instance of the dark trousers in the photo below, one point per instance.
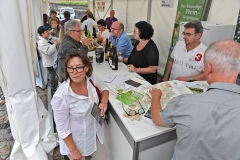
(52, 73)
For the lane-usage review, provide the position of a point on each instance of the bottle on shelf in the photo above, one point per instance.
(114, 59)
(106, 50)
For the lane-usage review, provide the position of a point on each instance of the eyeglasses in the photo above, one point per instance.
(78, 69)
(77, 31)
(135, 30)
(115, 28)
(188, 34)
(134, 112)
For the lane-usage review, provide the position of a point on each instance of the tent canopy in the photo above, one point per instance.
(162, 19)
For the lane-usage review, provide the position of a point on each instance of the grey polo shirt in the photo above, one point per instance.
(207, 124)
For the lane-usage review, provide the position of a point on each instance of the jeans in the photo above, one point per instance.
(52, 73)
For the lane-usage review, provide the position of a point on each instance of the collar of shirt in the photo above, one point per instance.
(43, 39)
(195, 49)
(225, 86)
(69, 92)
(118, 38)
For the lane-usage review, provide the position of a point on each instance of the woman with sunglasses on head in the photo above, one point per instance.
(79, 132)
(144, 56)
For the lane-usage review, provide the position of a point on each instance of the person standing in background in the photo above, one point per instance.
(110, 20)
(90, 23)
(103, 31)
(67, 16)
(85, 16)
(48, 50)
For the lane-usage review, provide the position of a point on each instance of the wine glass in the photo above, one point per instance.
(120, 87)
(135, 110)
(120, 58)
(98, 55)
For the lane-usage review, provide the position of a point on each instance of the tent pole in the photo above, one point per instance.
(111, 4)
(149, 10)
(94, 8)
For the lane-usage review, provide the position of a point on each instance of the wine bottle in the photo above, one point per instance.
(114, 59)
(86, 33)
(110, 56)
(94, 33)
(106, 50)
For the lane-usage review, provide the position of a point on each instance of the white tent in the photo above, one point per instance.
(162, 19)
(19, 20)
(29, 120)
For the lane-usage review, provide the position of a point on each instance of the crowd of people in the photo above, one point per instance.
(78, 90)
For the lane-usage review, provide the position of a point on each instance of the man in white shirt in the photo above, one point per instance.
(47, 47)
(90, 23)
(186, 62)
(103, 31)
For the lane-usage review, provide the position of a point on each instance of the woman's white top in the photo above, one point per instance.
(72, 114)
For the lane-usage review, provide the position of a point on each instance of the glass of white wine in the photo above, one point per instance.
(120, 87)
(120, 58)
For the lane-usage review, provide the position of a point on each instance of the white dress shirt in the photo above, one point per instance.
(90, 24)
(72, 114)
(48, 51)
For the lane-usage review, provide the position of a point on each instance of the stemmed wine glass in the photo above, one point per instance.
(120, 87)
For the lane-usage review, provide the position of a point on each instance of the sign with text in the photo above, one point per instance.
(167, 3)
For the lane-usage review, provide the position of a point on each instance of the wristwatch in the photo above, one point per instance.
(190, 78)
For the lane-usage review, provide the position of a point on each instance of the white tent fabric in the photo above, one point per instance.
(162, 19)
(29, 120)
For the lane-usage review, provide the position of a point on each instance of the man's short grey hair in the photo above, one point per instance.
(224, 55)
(195, 24)
(70, 25)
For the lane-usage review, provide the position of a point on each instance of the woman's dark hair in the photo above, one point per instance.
(77, 53)
(101, 22)
(145, 29)
(45, 17)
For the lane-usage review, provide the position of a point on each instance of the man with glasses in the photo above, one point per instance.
(70, 41)
(121, 40)
(186, 62)
(103, 31)
(207, 124)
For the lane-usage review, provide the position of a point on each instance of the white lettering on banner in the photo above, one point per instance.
(167, 3)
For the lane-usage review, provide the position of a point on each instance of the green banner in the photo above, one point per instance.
(188, 10)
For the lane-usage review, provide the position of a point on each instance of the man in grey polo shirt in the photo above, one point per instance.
(207, 124)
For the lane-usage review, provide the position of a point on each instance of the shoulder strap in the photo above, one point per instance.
(97, 90)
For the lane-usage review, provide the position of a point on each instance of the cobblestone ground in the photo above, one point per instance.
(6, 139)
